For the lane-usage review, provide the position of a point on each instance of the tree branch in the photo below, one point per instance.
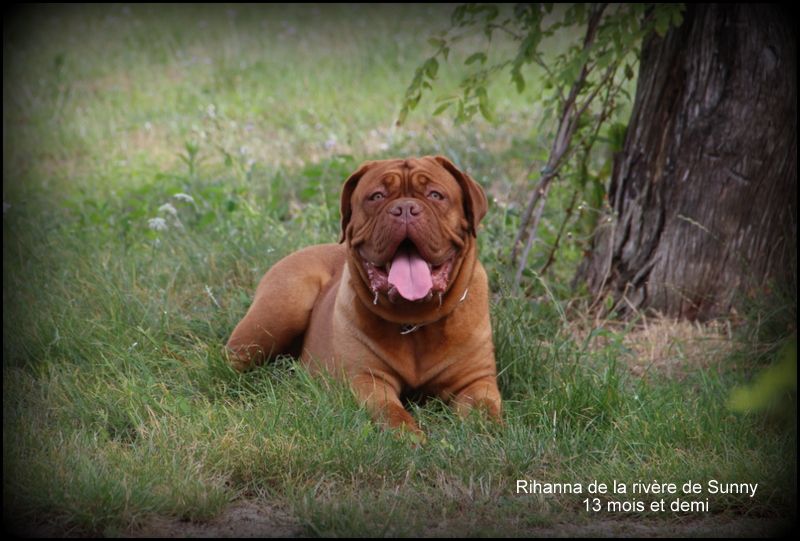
(561, 144)
(552, 257)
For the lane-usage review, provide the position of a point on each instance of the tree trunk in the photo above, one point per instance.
(704, 194)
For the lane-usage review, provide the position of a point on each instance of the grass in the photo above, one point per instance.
(117, 405)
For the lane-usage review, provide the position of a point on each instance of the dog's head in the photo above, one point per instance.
(409, 223)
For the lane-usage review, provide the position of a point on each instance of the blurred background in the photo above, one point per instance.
(268, 89)
(276, 105)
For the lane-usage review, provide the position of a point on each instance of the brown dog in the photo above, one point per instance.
(401, 306)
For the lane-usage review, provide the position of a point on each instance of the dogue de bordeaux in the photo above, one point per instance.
(400, 306)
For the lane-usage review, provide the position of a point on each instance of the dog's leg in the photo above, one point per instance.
(282, 306)
(482, 394)
(382, 401)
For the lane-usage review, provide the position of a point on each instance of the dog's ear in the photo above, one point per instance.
(475, 204)
(347, 194)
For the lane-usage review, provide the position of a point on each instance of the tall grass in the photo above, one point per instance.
(117, 404)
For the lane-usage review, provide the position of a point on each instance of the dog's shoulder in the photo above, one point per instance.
(322, 260)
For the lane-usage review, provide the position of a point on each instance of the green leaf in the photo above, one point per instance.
(605, 59)
(442, 108)
(628, 72)
(616, 136)
(431, 67)
(677, 17)
(579, 14)
(401, 118)
(492, 13)
(458, 14)
(662, 22)
(486, 111)
(518, 80)
(530, 45)
(573, 67)
(477, 57)
(483, 103)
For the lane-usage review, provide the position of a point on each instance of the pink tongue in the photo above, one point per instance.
(410, 275)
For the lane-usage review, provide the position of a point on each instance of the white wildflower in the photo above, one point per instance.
(331, 142)
(169, 209)
(184, 197)
(157, 224)
(211, 110)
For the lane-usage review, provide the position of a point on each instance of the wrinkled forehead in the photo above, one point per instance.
(399, 172)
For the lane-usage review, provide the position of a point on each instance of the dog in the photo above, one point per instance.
(399, 306)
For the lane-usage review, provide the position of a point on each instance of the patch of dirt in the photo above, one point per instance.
(242, 519)
(250, 518)
(704, 527)
(664, 346)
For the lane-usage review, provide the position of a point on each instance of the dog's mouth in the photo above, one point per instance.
(408, 275)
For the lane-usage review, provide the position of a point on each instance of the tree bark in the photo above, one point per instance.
(704, 193)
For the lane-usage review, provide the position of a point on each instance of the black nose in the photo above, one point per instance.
(406, 209)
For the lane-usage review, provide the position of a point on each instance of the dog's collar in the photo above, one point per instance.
(408, 328)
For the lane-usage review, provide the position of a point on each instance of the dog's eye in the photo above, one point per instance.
(436, 196)
(377, 196)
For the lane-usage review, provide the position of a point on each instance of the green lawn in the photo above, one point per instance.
(117, 405)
